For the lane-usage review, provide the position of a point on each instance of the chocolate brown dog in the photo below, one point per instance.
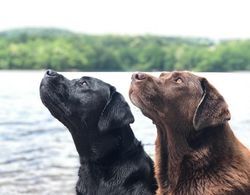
(196, 150)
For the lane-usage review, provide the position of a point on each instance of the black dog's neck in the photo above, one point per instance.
(129, 143)
(107, 147)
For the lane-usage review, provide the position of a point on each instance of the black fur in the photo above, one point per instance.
(112, 160)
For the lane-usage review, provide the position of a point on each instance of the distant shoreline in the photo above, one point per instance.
(65, 51)
(72, 71)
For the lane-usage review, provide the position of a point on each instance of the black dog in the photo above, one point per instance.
(112, 160)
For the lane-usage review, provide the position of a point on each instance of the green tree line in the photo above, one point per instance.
(64, 50)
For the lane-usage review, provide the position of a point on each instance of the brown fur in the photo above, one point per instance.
(196, 150)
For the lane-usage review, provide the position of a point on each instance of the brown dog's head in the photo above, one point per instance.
(179, 97)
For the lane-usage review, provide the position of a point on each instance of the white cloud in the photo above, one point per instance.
(207, 18)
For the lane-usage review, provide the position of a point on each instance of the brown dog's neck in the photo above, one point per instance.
(171, 147)
(205, 138)
(174, 148)
(161, 157)
(217, 143)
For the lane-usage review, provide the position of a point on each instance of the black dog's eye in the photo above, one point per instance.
(178, 80)
(83, 83)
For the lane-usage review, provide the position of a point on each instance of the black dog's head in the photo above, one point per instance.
(86, 106)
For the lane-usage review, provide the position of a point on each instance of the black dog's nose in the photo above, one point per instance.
(51, 73)
(138, 76)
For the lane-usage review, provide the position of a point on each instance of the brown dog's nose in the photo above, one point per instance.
(138, 76)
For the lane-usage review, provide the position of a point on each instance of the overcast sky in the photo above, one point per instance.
(204, 18)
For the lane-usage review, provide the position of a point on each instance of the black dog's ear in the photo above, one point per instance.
(115, 114)
(212, 109)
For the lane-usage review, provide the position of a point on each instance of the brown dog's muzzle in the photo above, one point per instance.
(138, 76)
(135, 87)
(141, 88)
(144, 94)
(137, 80)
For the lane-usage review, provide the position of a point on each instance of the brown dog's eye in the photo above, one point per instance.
(178, 80)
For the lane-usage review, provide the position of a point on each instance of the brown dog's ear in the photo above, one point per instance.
(116, 113)
(212, 109)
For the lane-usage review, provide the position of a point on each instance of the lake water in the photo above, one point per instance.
(37, 154)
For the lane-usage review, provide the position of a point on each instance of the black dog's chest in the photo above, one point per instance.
(99, 180)
(87, 185)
